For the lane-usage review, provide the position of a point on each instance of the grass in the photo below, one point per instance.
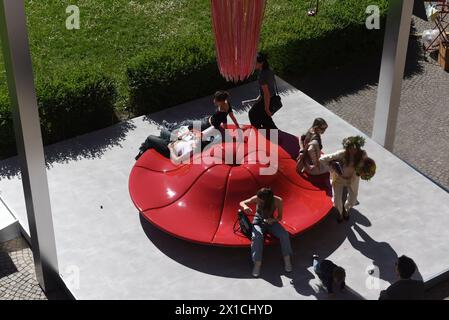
(113, 31)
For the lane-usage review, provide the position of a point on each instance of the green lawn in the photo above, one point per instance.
(159, 53)
(113, 31)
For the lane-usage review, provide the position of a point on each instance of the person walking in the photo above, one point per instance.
(260, 115)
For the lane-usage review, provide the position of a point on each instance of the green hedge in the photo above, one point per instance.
(78, 104)
(174, 74)
(183, 67)
(187, 69)
(69, 106)
(7, 141)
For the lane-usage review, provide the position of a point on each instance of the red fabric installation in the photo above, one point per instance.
(237, 25)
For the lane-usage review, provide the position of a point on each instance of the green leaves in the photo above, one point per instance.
(153, 54)
(75, 104)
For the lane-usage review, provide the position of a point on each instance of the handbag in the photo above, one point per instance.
(246, 227)
(275, 101)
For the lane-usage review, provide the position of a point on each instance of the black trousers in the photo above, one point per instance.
(189, 123)
(259, 118)
(160, 144)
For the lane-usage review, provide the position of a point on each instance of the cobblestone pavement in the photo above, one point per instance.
(17, 276)
(18, 279)
(422, 135)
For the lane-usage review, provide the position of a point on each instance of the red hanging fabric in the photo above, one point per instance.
(236, 25)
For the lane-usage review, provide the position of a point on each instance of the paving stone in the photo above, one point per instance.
(422, 134)
(21, 284)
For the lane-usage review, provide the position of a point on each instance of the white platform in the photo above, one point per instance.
(9, 226)
(117, 255)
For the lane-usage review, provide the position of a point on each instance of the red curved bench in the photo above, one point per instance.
(199, 201)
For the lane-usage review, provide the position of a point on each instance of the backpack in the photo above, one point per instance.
(246, 227)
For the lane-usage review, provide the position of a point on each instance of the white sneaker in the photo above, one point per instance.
(256, 269)
(288, 264)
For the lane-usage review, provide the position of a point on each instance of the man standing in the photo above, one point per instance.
(405, 288)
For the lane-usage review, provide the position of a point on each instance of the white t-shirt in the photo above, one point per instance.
(183, 147)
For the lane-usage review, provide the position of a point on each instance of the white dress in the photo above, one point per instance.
(348, 179)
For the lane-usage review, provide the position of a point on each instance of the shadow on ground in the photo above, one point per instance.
(203, 107)
(7, 266)
(74, 149)
(325, 86)
(323, 240)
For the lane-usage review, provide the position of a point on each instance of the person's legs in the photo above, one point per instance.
(337, 190)
(254, 114)
(205, 124)
(300, 165)
(257, 248)
(353, 189)
(268, 122)
(157, 143)
(262, 119)
(257, 243)
(165, 134)
(316, 264)
(279, 232)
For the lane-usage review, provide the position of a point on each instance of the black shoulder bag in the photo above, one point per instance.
(246, 227)
(275, 102)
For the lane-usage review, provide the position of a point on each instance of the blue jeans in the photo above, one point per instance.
(316, 266)
(189, 123)
(257, 238)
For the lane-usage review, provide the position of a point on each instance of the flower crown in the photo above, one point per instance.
(356, 141)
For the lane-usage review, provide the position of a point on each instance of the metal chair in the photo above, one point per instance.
(440, 16)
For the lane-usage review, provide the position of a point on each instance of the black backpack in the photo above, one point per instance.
(246, 227)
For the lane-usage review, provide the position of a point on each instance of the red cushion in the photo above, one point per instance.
(199, 202)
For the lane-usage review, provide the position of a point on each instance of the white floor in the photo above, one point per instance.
(9, 228)
(111, 253)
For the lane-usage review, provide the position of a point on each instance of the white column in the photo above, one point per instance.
(19, 74)
(397, 33)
